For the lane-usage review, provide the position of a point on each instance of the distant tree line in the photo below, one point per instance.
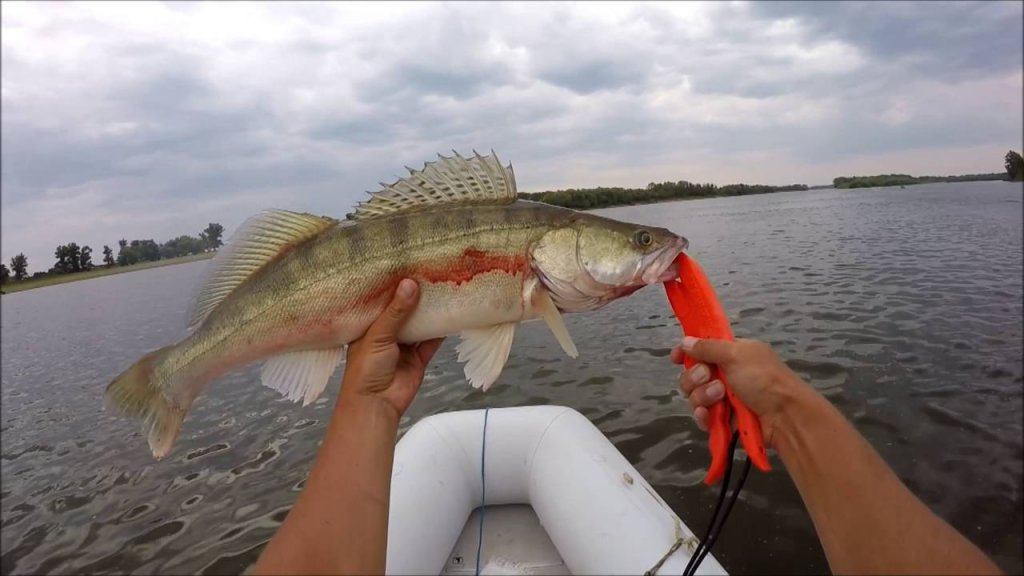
(906, 179)
(1013, 163)
(590, 198)
(71, 258)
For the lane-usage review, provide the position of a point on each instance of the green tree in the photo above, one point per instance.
(108, 256)
(211, 236)
(74, 257)
(126, 256)
(149, 250)
(1014, 165)
(85, 260)
(5, 274)
(61, 254)
(183, 245)
(19, 265)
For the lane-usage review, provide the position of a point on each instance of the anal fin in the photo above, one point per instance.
(301, 375)
(485, 351)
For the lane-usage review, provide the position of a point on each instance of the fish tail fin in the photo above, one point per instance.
(135, 393)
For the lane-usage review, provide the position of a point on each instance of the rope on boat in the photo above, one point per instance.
(657, 566)
(483, 493)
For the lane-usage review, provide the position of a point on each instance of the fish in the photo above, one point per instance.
(293, 289)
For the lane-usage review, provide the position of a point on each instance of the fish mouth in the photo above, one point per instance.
(663, 266)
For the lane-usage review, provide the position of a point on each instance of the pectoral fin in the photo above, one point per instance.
(549, 312)
(485, 352)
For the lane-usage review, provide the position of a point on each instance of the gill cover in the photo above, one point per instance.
(594, 260)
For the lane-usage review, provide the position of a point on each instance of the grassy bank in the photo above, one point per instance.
(31, 283)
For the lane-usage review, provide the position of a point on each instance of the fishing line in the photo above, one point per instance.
(691, 566)
(719, 514)
(483, 494)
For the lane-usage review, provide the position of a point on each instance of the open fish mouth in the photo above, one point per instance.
(663, 266)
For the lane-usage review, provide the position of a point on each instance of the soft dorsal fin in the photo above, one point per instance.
(454, 180)
(259, 239)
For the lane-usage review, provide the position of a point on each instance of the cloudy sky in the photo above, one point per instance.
(151, 120)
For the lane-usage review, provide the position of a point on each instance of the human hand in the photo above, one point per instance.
(754, 372)
(379, 368)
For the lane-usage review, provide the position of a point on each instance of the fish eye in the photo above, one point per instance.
(643, 238)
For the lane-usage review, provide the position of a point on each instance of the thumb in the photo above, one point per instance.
(709, 351)
(385, 328)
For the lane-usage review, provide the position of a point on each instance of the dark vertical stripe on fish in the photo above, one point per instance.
(356, 241)
(470, 216)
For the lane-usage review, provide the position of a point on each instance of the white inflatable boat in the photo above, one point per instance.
(558, 498)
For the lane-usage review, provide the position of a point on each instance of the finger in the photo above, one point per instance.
(707, 395)
(385, 328)
(700, 414)
(426, 350)
(710, 351)
(677, 355)
(696, 376)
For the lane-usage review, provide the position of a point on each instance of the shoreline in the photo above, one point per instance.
(764, 193)
(98, 272)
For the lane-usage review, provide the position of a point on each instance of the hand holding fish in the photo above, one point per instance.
(379, 368)
(757, 375)
(338, 525)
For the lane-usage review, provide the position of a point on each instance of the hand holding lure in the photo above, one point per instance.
(700, 315)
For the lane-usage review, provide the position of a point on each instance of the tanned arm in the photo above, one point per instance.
(866, 518)
(339, 523)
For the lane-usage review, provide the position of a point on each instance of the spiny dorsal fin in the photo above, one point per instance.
(257, 241)
(454, 180)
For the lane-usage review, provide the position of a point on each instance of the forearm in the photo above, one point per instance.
(866, 519)
(338, 525)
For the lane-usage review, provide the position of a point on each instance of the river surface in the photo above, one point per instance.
(902, 306)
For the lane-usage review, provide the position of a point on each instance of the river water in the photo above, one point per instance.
(903, 306)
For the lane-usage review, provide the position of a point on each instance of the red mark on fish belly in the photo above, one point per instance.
(473, 263)
(461, 271)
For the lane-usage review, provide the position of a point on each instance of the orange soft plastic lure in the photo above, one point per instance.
(700, 314)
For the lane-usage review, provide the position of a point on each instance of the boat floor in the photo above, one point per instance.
(514, 542)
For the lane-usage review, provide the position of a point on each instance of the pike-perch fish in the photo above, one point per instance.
(293, 290)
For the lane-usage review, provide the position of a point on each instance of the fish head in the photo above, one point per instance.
(596, 260)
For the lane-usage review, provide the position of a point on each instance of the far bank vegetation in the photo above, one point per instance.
(1012, 162)
(72, 259)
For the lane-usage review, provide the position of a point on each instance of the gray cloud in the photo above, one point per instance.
(152, 120)
(955, 40)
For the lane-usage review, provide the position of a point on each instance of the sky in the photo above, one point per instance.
(150, 120)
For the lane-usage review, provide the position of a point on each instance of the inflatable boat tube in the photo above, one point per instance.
(550, 479)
